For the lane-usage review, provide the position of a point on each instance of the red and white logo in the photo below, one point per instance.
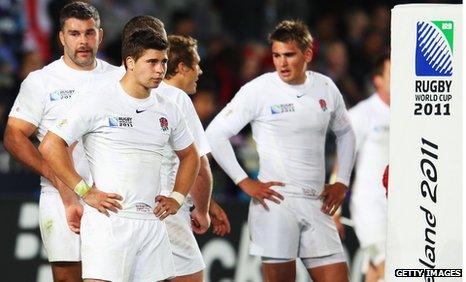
(163, 123)
(323, 104)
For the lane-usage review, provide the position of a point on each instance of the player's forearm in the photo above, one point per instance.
(346, 154)
(67, 195)
(202, 188)
(22, 149)
(55, 152)
(223, 153)
(187, 170)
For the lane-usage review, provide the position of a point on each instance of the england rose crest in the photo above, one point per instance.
(323, 104)
(163, 123)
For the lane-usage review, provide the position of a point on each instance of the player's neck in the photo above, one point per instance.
(176, 82)
(133, 88)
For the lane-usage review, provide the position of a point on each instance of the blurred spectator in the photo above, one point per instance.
(252, 61)
(336, 67)
(53, 12)
(205, 104)
(182, 23)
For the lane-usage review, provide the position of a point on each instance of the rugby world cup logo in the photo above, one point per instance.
(434, 48)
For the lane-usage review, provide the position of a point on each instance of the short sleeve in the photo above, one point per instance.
(180, 136)
(240, 111)
(76, 123)
(195, 125)
(29, 104)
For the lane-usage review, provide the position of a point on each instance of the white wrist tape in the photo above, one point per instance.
(81, 188)
(178, 197)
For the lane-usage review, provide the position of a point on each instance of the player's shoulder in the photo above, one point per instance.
(176, 95)
(263, 79)
(105, 67)
(171, 92)
(50, 69)
(320, 79)
(101, 94)
(165, 102)
(260, 87)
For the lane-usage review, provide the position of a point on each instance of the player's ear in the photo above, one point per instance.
(181, 68)
(62, 37)
(308, 55)
(130, 63)
(101, 35)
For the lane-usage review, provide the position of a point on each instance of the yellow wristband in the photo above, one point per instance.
(178, 197)
(81, 188)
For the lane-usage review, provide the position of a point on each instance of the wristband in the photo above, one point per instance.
(177, 196)
(81, 188)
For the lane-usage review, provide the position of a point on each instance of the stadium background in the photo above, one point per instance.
(349, 36)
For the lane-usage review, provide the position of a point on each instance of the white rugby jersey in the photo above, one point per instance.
(370, 119)
(47, 94)
(171, 162)
(124, 139)
(289, 126)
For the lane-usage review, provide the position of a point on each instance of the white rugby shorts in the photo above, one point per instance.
(120, 249)
(294, 228)
(60, 243)
(186, 253)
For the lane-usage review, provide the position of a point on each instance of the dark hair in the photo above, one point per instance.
(143, 21)
(141, 40)
(79, 10)
(379, 64)
(182, 50)
(292, 30)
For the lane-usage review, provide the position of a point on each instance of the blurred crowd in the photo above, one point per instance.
(232, 35)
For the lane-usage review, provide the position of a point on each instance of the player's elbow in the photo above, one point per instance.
(216, 135)
(204, 168)
(196, 161)
(213, 132)
(9, 139)
(193, 159)
(190, 157)
(47, 145)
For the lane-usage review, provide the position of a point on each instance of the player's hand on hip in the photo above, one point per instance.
(74, 212)
(220, 222)
(200, 222)
(165, 206)
(333, 196)
(102, 201)
(261, 191)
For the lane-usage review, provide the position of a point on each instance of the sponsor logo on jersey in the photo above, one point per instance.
(300, 95)
(142, 207)
(120, 122)
(282, 108)
(228, 113)
(163, 123)
(61, 94)
(434, 48)
(62, 123)
(323, 105)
